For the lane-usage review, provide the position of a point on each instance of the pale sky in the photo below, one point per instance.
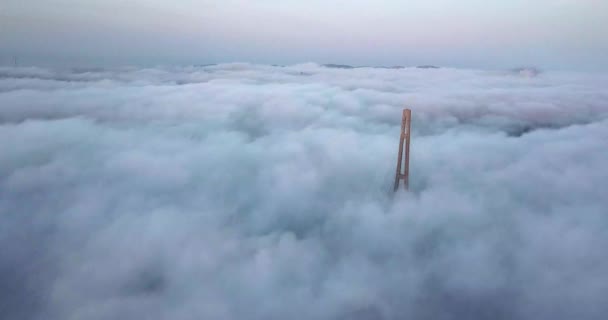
(558, 34)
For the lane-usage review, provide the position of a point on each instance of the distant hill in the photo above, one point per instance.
(346, 66)
(427, 67)
(528, 72)
(338, 66)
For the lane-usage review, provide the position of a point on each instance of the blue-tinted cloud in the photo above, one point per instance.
(255, 192)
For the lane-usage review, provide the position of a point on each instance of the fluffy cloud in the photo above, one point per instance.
(255, 192)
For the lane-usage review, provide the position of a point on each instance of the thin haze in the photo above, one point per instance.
(564, 34)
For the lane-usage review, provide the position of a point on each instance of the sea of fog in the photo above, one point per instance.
(241, 191)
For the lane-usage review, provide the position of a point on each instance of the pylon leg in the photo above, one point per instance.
(404, 143)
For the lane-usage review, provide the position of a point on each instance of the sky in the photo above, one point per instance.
(563, 34)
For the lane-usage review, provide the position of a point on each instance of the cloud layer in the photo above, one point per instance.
(242, 191)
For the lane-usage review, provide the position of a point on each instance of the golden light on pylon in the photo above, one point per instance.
(403, 163)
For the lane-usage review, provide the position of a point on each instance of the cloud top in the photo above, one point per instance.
(242, 191)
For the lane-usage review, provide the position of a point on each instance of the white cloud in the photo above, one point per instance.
(255, 192)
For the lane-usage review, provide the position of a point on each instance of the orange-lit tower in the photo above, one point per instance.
(406, 123)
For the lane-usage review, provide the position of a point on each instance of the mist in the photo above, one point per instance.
(242, 191)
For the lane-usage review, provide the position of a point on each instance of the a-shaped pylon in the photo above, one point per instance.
(401, 162)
